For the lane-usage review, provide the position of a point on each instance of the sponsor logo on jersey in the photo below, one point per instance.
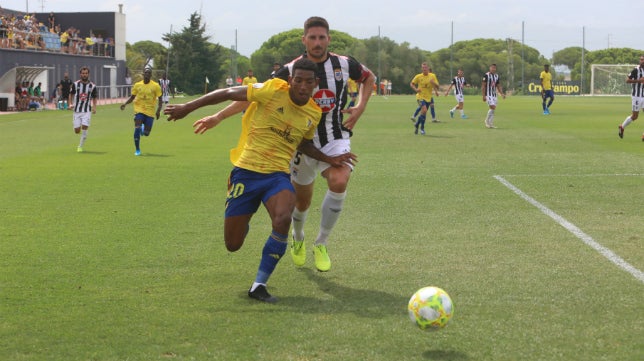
(325, 99)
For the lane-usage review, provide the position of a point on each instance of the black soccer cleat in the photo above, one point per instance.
(261, 294)
(621, 132)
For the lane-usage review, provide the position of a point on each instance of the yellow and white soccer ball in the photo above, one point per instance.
(430, 308)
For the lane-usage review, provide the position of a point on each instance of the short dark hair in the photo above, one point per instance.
(315, 21)
(305, 64)
(83, 68)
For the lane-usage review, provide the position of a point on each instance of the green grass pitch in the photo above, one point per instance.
(107, 256)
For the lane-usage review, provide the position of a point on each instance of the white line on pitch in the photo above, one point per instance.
(610, 255)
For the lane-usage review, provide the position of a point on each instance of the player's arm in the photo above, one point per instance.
(364, 93)
(159, 106)
(499, 88)
(128, 101)
(413, 86)
(435, 85)
(179, 111)
(210, 121)
(307, 147)
(448, 89)
(484, 89)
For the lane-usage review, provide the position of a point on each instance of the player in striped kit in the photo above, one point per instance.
(164, 83)
(490, 86)
(458, 83)
(331, 137)
(82, 99)
(637, 95)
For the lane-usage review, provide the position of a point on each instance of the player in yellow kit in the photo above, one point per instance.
(145, 94)
(546, 89)
(281, 118)
(424, 84)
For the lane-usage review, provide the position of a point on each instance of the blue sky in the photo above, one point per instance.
(547, 25)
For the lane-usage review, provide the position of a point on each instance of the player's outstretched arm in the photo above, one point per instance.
(179, 111)
(363, 98)
(307, 147)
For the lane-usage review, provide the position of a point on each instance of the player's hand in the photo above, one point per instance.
(176, 111)
(354, 114)
(206, 123)
(158, 114)
(343, 159)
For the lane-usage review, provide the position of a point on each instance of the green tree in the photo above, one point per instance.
(193, 59)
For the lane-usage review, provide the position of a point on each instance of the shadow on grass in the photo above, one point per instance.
(143, 155)
(367, 303)
(445, 355)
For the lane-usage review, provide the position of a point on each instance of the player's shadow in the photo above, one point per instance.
(368, 303)
(153, 155)
(445, 355)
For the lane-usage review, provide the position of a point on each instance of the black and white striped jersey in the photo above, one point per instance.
(458, 82)
(331, 94)
(490, 80)
(82, 94)
(638, 88)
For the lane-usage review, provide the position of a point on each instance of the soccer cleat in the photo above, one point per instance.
(416, 131)
(261, 294)
(621, 132)
(321, 256)
(642, 137)
(413, 119)
(545, 112)
(298, 252)
(451, 113)
(435, 121)
(463, 116)
(422, 132)
(137, 152)
(79, 149)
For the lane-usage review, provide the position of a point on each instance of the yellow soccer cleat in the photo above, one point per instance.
(322, 260)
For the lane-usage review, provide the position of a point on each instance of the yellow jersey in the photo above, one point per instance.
(272, 128)
(147, 97)
(352, 86)
(546, 80)
(424, 83)
(249, 80)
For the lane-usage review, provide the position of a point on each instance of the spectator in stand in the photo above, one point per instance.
(4, 38)
(52, 21)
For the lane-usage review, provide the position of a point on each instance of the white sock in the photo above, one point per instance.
(627, 121)
(255, 285)
(331, 209)
(453, 109)
(490, 117)
(83, 137)
(462, 112)
(299, 218)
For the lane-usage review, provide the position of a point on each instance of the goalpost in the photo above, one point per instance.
(610, 79)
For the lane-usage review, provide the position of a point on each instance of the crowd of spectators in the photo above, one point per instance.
(25, 31)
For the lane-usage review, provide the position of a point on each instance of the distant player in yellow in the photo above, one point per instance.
(352, 89)
(424, 84)
(145, 94)
(281, 118)
(546, 89)
(249, 78)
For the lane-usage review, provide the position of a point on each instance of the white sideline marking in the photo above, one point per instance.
(610, 255)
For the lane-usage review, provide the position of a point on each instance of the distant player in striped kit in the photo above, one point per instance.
(82, 99)
(332, 137)
(164, 83)
(490, 85)
(637, 95)
(458, 83)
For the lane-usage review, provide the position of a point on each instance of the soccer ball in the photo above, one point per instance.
(430, 308)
